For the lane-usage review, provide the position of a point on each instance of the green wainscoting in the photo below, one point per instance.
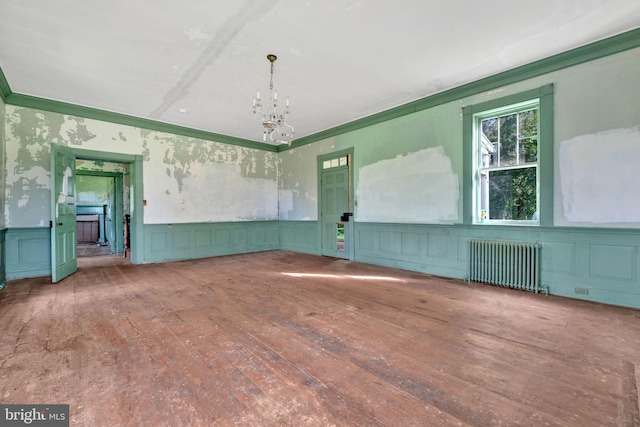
(3, 251)
(595, 264)
(300, 236)
(172, 242)
(28, 252)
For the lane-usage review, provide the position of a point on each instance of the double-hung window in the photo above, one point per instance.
(506, 163)
(508, 158)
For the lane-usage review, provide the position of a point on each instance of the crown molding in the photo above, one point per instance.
(602, 48)
(5, 90)
(124, 119)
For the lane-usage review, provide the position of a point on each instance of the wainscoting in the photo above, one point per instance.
(3, 259)
(172, 242)
(28, 252)
(595, 264)
(300, 236)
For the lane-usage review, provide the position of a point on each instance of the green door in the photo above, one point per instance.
(63, 213)
(334, 203)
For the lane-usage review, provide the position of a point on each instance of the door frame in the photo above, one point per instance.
(136, 193)
(349, 225)
(118, 209)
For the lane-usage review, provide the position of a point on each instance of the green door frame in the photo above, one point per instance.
(136, 194)
(349, 226)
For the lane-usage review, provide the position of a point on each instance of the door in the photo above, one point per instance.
(63, 213)
(335, 203)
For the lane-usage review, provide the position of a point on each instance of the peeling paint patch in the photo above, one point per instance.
(599, 176)
(78, 134)
(419, 187)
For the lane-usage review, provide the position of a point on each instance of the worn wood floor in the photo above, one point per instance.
(285, 339)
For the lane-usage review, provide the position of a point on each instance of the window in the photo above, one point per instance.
(508, 160)
(335, 163)
(506, 169)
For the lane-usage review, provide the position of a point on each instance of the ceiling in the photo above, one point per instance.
(198, 63)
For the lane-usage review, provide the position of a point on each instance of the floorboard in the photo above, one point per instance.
(285, 339)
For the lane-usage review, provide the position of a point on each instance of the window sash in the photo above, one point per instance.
(483, 172)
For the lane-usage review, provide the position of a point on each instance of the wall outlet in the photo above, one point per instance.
(582, 291)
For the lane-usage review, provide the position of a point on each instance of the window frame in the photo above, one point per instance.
(498, 113)
(545, 163)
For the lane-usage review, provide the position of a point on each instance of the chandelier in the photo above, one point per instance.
(273, 122)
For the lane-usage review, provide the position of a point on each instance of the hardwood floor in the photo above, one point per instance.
(285, 339)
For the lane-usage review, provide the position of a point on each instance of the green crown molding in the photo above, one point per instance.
(124, 119)
(586, 53)
(5, 90)
(590, 52)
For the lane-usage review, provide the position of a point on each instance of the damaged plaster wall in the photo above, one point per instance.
(427, 175)
(599, 177)
(185, 179)
(298, 182)
(3, 170)
(202, 181)
(597, 128)
(405, 170)
(596, 138)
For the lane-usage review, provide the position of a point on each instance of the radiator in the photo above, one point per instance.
(510, 264)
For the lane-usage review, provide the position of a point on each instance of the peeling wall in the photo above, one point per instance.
(185, 179)
(390, 179)
(417, 187)
(298, 181)
(596, 122)
(201, 181)
(3, 170)
(599, 177)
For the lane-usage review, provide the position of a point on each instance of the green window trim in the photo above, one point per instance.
(545, 150)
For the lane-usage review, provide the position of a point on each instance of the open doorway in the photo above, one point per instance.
(102, 206)
(64, 259)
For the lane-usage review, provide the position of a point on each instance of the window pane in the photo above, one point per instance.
(489, 144)
(326, 164)
(490, 129)
(512, 194)
(340, 236)
(528, 123)
(529, 150)
(343, 161)
(508, 139)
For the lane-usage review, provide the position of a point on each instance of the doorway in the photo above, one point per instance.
(103, 202)
(336, 204)
(64, 196)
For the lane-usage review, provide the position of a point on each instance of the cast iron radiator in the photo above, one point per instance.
(509, 264)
